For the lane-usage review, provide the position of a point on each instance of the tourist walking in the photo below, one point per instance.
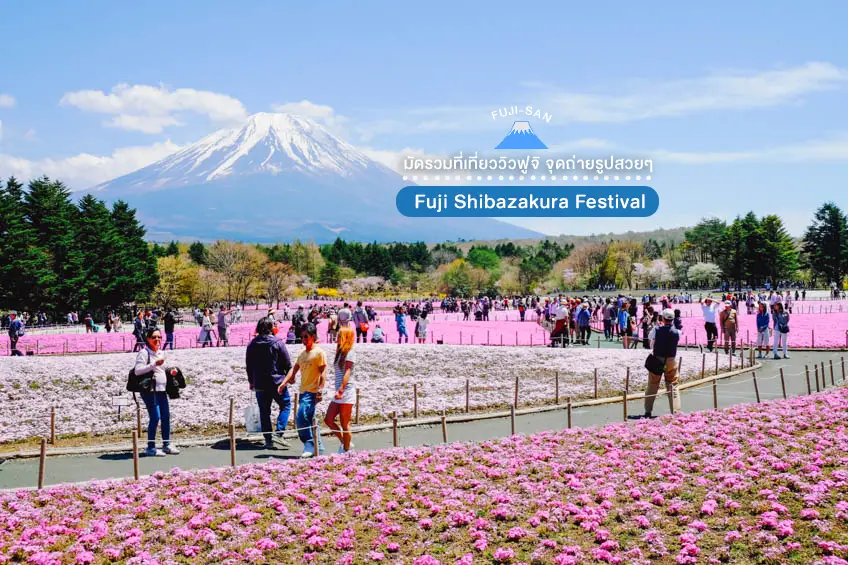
(16, 331)
(169, 321)
(223, 324)
(138, 331)
(763, 320)
(400, 321)
(729, 325)
(312, 364)
(709, 310)
(781, 330)
(663, 363)
(268, 362)
(360, 322)
(341, 406)
(151, 360)
(206, 328)
(421, 328)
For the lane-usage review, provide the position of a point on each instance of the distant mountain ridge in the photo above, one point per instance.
(280, 177)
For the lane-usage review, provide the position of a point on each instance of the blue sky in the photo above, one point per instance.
(740, 105)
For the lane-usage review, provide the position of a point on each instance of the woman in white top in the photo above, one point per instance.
(345, 397)
(151, 360)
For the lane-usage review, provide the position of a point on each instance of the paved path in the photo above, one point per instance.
(736, 390)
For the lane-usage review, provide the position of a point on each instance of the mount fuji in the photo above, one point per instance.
(521, 136)
(276, 178)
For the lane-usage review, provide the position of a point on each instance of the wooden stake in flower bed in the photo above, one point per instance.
(356, 416)
(703, 364)
(782, 383)
(444, 429)
(626, 389)
(394, 431)
(512, 420)
(42, 461)
(52, 425)
(138, 419)
(232, 431)
(515, 399)
(467, 395)
(756, 387)
(556, 388)
(232, 407)
(596, 383)
(824, 378)
(569, 412)
(832, 380)
(135, 454)
(716, 361)
(415, 400)
(816, 367)
(807, 371)
(715, 393)
(843, 368)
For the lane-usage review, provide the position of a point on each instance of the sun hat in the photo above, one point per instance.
(668, 314)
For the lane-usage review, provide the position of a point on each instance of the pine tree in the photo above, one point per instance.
(173, 249)
(24, 267)
(135, 273)
(95, 238)
(197, 253)
(54, 218)
(826, 243)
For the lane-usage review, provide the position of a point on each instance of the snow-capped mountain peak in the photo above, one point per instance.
(521, 136)
(270, 143)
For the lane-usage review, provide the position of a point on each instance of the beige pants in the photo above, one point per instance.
(670, 385)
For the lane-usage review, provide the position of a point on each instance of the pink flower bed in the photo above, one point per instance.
(752, 484)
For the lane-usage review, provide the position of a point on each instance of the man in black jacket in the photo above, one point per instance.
(268, 363)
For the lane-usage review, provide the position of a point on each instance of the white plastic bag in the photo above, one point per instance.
(251, 419)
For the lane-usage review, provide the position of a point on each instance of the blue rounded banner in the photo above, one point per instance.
(527, 201)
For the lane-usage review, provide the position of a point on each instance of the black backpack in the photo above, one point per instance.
(141, 383)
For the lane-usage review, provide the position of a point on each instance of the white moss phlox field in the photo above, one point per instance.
(82, 387)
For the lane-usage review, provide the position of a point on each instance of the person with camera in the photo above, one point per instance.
(16, 331)
(663, 363)
(150, 361)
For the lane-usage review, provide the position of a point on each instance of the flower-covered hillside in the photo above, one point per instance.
(753, 484)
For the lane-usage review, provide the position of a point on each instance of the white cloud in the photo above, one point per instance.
(728, 91)
(6, 101)
(85, 170)
(326, 115)
(150, 109)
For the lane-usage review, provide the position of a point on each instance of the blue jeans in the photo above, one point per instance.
(169, 340)
(157, 409)
(303, 420)
(264, 399)
(608, 329)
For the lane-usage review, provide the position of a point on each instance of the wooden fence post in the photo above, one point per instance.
(556, 388)
(356, 416)
(42, 462)
(52, 425)
(467, 395)
(138, 420)
(824, 378)
(394, 431)
(715, 393)
(444, 429)
(832, 380)
(232, 431)
(512, 420)
(782, 383)
(415, 400)
(515, 399)
(596, 383)
(843, 368)
(756, 387)
(135, 454)
(807, 371)
(232, 408)
(716, 361)
(703, 364)
(569, 412)
(816, 367)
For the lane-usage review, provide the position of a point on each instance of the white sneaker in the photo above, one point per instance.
(154, 452)
(307, 454)
(171, 450)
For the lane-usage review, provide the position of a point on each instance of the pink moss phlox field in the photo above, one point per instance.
(81, 387)
(752, 484)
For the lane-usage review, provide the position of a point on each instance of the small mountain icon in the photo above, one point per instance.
(521, 136)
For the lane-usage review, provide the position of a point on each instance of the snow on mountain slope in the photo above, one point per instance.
(276, 178)
(267, 143)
